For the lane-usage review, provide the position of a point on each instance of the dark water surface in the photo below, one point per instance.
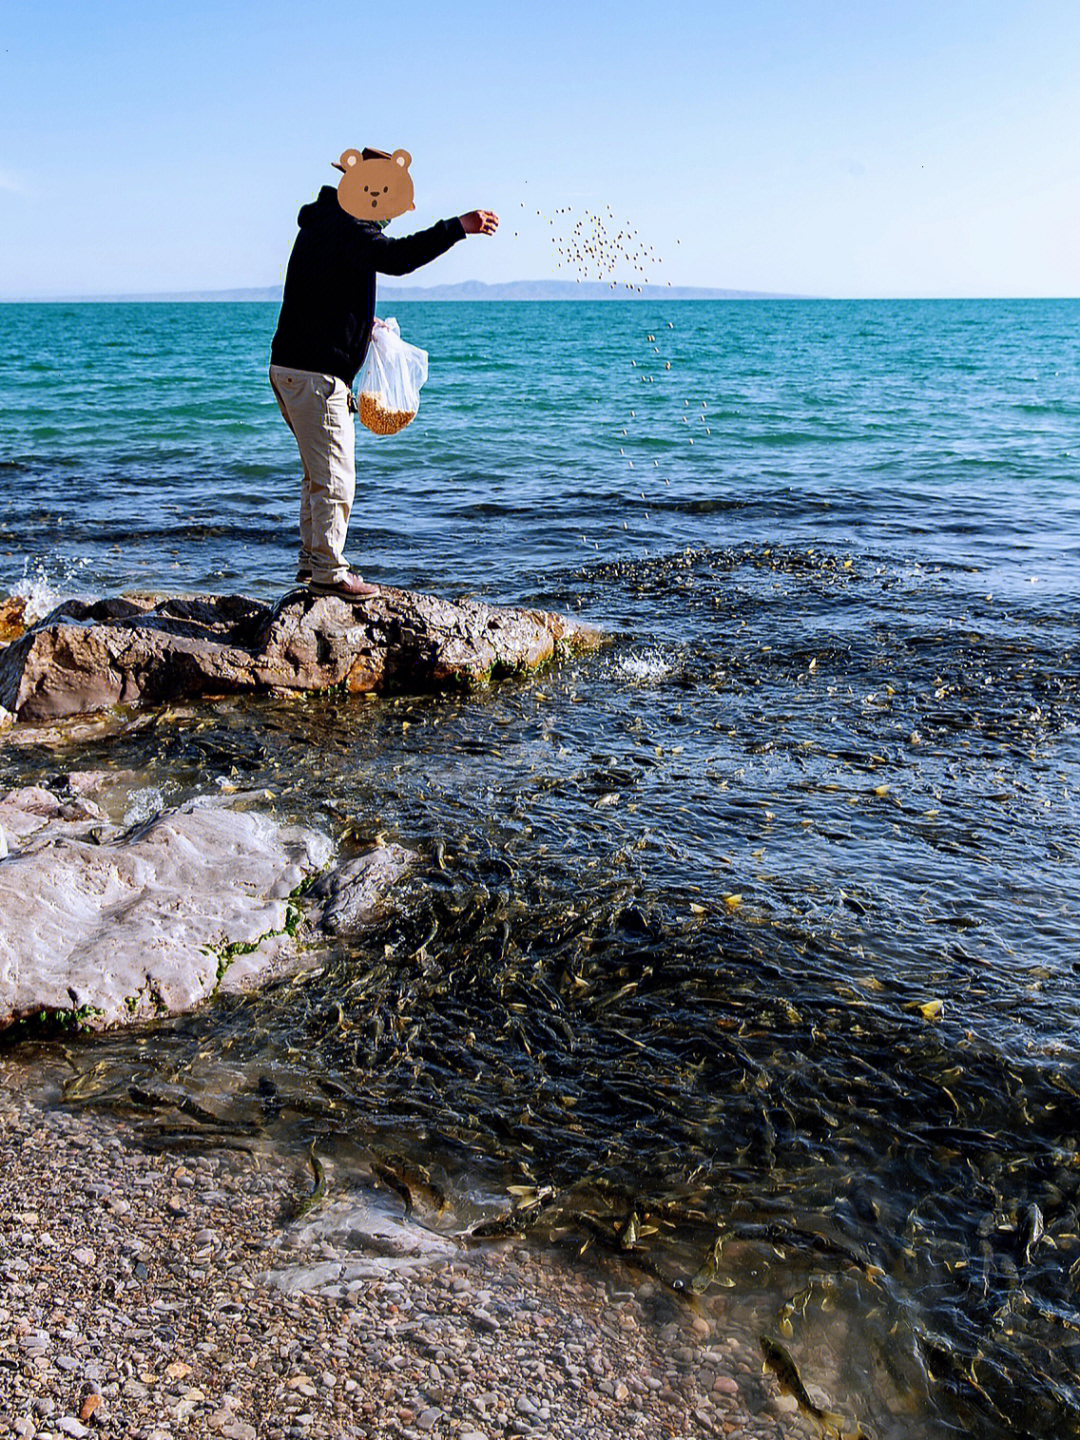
(748, 946)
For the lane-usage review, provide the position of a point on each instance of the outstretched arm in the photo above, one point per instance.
(406, 253)
(402, 256)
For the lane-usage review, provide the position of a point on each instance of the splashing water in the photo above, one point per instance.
(44, 585)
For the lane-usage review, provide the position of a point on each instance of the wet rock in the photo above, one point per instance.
(373, 1240)
(12, 618)
(147, 649)
(26, 810)
(148, 923)
(346, 898)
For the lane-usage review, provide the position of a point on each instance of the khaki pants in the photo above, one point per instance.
(316, 410)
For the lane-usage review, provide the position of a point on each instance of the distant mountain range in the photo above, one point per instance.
(568, 290)
(471, 290)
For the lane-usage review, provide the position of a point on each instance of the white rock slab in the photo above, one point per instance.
(141, 926)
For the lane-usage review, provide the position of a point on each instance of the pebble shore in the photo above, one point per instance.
(134, 1303)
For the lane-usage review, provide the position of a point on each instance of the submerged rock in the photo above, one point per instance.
(369, 1238)
(112, 926)
(138, 649)
(345, 899)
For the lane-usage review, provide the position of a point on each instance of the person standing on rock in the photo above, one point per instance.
(322, 336)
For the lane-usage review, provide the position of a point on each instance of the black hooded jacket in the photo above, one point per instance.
(329, 299)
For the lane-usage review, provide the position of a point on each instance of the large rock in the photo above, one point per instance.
(116, 926)
(145, 649)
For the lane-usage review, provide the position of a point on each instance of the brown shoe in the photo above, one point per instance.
(350, 587)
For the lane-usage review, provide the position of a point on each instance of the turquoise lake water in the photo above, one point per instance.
(767, 919)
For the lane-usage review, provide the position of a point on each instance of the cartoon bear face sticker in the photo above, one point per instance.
(374, 185)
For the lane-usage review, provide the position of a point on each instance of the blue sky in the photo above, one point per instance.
(836, 149)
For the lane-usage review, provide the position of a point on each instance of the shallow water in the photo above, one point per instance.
(759, 927)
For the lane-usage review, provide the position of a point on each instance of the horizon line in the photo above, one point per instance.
(558, 291)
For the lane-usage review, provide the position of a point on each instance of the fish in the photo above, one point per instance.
(395, 1182)
(628, 1235)
(318, 1189)
(788, 1378)
(709, 1272)
(1032, 1228)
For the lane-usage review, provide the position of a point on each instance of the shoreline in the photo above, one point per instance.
(135, 1303)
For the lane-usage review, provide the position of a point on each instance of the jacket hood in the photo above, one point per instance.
(325, 201)
(325, 208)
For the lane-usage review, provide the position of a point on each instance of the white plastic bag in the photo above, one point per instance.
(390, 380)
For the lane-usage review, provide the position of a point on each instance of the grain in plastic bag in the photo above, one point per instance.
(390, 381)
